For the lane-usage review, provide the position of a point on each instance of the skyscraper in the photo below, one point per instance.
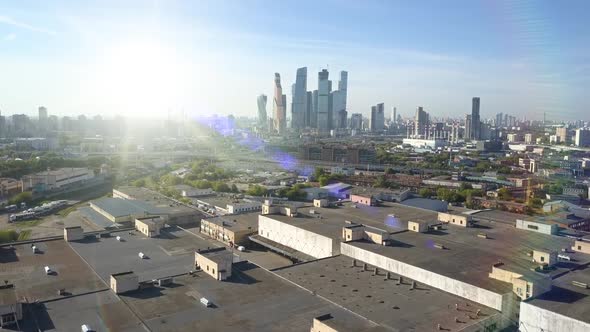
(42, 119)
(299, 99)
(313, 119)
(341, 119)
(339, 98)
(262, 117)
(582, 137)
(279, 106)
(475, 121)
(561, 132)
(377, 121)
(468, 132)
(308, 108)
(393, 115)
(499, 120)
(420, 122)
(323, 108)
(356, 121)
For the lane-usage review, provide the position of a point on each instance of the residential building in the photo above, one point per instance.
(583, 137)
(561, 133)
(468, 129)
(421, 123)
(475, 120)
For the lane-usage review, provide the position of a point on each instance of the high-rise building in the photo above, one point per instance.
(421, 122)
(468, 132)
(313, 119)
(475, 120)
(323, 108)
(341, 119)
(498, 122)
(339, 97)
(262, 116)
(299, 96)
(3, 131)
(308, 108)
(561, 132)
(583, 137)
(279, 107)
(377, 121)
(42, 114)
(393, 115)
(356, 121)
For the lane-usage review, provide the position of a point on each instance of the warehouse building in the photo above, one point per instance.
(56, 179)
(121, 210)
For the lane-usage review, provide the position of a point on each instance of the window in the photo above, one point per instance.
(207, 267)
(461, 222)
(533, 227)
(348, 236)
(213, 271)
(414, 227)
(579, 247)
(542, 258)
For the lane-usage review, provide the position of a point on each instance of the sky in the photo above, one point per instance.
(142, 58)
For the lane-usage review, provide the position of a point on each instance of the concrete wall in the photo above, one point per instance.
(454, 219)
(581, 246)
(535, 319)
(459, 288)
(360, 199)
(418, 227)
(149, 227)
(310, 243)
(536, 227)
(219, 270)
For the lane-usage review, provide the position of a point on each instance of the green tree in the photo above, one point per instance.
(504, 194)
(426, 192)
(139, 183)
(25, 196)
(257, 190)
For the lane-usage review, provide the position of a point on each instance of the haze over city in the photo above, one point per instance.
(147, 59)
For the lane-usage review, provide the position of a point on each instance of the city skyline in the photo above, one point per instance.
(508, 58)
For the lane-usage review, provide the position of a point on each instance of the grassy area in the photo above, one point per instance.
(28, 223)
(8, 236)
(24, 235)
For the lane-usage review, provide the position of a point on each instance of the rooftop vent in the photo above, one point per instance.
(579, 284)
(439, 246)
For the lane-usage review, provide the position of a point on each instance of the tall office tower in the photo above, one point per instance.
(341, 119)
(561, 132)
(42, 114)
(339, 98)
(308, 108)
(393, 115)
(313, 119)
(475, 121)
(356, 121)
(299, 99)
(582, 137)
(377, 122)
(3, 132)
(262, 117)
(468, 131)
(498, 122)
(420, 122)
(279, 107)
(324, 89)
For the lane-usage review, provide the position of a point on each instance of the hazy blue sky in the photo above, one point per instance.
(147, 57)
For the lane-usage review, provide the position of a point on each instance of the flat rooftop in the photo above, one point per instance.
(101, 311)
(391, 217)
(238, 222)
(169, 254)
(251, 300)
(469, 258)
(118, 207)
(567, 299)
(393, 306)
(156, 200)
(21, 267)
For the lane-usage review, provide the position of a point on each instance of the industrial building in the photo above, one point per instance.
(215, 262)
(227, 205)
(233, 229)
(56, 179)
(149, 226)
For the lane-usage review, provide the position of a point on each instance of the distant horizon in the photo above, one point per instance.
(215, 57)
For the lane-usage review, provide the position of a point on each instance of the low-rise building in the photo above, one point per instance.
(149, 226)
(124, 282)
(11, 310)
(215, 262)
(356, 232)
(9, 187)
(233, 229)
(74, 233)
(56, 179)
(455, 219)
(536, 226)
